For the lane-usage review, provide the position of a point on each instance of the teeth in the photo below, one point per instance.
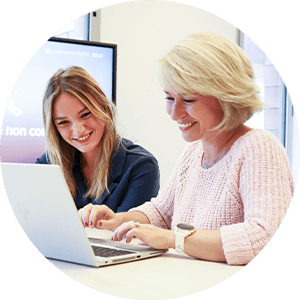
(84, 138)
(185, 125)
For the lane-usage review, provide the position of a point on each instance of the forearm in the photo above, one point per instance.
(203, 244)
(136, 216)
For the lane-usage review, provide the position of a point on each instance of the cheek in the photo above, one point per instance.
(215, 116)
(102, 128)
(168, 108)
(63, 133)
(202, 112)
(100, 125)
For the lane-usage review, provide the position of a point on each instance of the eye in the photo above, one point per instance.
(62, 123)
(85, 114)
(169, 98)
(188, 100)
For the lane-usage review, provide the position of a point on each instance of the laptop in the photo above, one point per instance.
(45, 209)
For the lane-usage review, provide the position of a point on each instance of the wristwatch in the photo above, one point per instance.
(182, 230)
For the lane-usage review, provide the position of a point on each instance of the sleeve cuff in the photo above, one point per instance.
(152, 214)
(236, 244)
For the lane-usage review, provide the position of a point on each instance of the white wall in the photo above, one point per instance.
(144, 31)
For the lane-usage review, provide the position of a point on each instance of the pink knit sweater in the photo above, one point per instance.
(245, 195)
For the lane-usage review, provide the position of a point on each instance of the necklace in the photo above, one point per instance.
(207, 165)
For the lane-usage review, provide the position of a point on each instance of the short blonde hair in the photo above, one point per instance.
(77, 82)
(209, 64)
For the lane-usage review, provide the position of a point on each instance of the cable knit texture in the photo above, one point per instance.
(245, 195)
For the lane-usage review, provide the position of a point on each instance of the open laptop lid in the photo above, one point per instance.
(45, 209)
(42, 204)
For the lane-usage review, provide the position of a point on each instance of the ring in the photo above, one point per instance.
(137, 224)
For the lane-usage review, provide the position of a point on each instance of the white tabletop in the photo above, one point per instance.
(168, 276)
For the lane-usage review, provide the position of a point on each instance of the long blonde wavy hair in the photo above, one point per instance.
(77, 82)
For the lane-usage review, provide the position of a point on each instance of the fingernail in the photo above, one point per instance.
(91, 223)
(99, 224)
(86, 224)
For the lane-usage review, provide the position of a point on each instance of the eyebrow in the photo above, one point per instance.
(169, 93)
(80, 112)
(179, 94)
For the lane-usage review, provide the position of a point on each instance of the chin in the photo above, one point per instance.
(191, 138)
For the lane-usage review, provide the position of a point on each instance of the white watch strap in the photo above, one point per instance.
(179, 241)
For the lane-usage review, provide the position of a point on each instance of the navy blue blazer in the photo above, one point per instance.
(133, 179)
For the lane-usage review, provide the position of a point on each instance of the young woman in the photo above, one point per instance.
(233, 184)
(81, 137)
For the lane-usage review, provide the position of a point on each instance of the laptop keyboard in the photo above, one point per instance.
(109, 252)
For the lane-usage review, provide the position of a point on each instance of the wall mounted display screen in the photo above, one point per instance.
(23, 135)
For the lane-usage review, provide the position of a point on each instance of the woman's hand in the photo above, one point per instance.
(99, 216)
(150, 235)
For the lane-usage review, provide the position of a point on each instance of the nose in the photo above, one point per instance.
(175, 110)
(77, 128)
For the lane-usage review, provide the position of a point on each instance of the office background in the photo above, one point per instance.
(146, 30)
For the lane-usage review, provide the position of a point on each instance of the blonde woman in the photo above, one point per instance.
(81, 137)
(232, 185)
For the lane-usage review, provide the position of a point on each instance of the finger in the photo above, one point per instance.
(118, 232)
(131, 234)
(92, 216)
(85, 215)
(99, 213)
(121, 231)
(80, 214)
(103, 224)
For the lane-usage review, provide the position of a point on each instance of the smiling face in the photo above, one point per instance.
(195, 114)
(77, 125)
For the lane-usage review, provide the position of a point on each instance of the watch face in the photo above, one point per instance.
(185, 226)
